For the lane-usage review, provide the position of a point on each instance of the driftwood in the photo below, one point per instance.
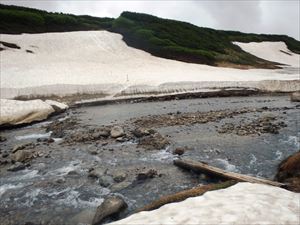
(180, 196)
(210, 170)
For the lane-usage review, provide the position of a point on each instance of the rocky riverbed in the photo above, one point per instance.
(58, 171)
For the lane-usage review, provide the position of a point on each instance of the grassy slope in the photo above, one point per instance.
(161, 37)
(16, 20)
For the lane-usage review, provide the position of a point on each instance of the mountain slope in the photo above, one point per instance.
(161, 37)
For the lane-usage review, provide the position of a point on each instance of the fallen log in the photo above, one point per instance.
(214, 171)
(182, 195)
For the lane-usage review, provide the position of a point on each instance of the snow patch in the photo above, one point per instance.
(243, 203)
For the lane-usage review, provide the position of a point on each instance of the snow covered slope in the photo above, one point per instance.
(272, 51)
(99, 61)
(243, 203)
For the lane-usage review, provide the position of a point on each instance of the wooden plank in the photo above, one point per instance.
(210, 170)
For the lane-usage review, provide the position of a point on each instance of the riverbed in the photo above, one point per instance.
(56, 187)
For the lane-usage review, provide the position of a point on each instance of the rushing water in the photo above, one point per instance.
(56, 189)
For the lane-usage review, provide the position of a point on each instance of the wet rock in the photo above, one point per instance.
(101, 133)
(120, 139)
(295, 97)
(116, 132)
(22, 156)
(60, 180)
(119, 176)
(148, 174)
(16, 167)
(97, 172)
(73, 173)
(179, 151)
(110, 207)
(289, 172)
(4, 154)
(120, 186)
(2, 138)
(153, 142)
(106, 181)
(140, 132)
(22, 146)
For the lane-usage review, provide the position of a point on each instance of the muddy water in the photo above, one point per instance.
(55, 187)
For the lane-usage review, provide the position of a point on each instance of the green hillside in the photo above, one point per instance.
(161, 37)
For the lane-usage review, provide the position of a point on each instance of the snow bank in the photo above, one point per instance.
(14, 112)
(272, 51)
(101, 62)
(243, 203)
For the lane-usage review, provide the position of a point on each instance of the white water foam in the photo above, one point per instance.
(227, 166)
(33, 136)
(6, 187)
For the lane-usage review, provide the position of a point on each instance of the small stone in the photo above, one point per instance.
(179, 151)
(106, 181)
(145, 175)
(119, 176)
(97, 172)
(116, 132)
(120, 186)
(2, 138)
(295, 97)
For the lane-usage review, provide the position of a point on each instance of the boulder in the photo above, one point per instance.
(22, 146)
(289, 172)
(22, 156)
(110, 207)
(295, 97)
(116, 132)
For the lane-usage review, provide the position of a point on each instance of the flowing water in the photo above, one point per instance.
(55, 187)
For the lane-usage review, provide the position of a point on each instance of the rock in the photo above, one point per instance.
(116, 132)
(101, 133)
(2, 138)
(289, 172)
(110, 207)
(97, 172)
(140, 132)
(21, 146)
(120, 186)
(119, 176)
(106, 181)
(153, 142)
(295, 97)
(145, 175)
(22, 156)
(73, 173)
(16, 167)
(179, 151)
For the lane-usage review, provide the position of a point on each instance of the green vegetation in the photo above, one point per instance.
(16, 20)
(161, 37)
(186, 42)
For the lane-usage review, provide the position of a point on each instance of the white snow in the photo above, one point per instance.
(243, 203)
(18, 112)
(101, 62)
(272, 51)
(14, 112)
